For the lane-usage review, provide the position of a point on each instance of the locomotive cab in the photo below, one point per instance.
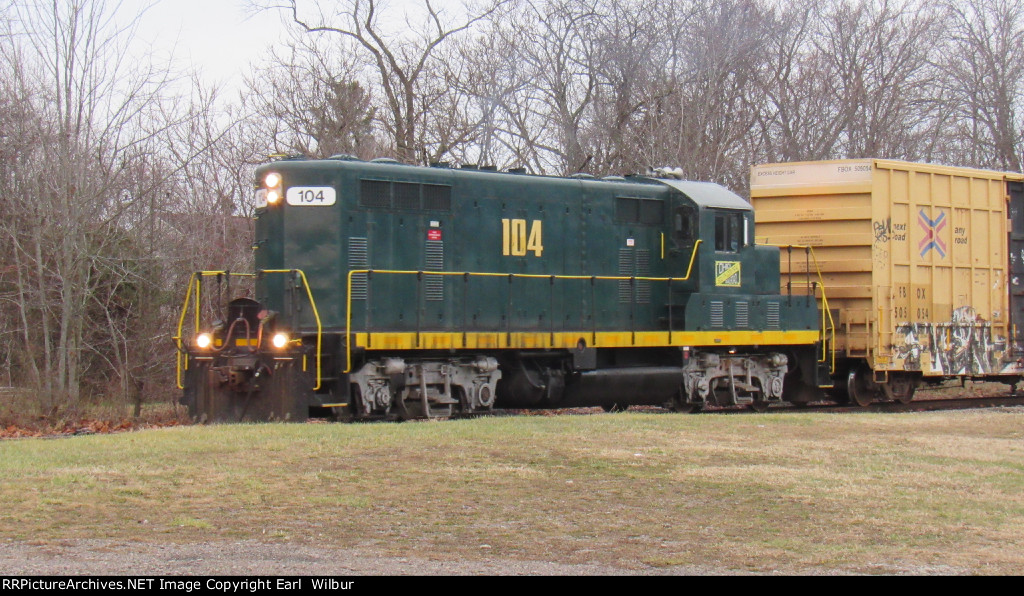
(727, 260)
(732, 302)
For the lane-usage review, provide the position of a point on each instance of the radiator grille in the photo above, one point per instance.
(437, 197)
(648, 212)
(407, 196)
(375, 193)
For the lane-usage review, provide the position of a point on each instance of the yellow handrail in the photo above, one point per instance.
(826, 313)
(352, 272)
(196, 279)
(177, 338)
(316, 315)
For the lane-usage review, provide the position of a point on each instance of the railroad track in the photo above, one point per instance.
(932, 400)
(919, 405)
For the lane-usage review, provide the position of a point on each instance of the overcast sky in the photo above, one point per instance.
(218, 38)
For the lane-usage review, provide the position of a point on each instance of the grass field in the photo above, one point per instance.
(939, 492)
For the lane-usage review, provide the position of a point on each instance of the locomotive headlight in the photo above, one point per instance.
(273, 184)
(204, 340)
(279, 340)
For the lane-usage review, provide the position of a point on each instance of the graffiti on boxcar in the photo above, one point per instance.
(963, 346)
(910, 350)
(882, 230)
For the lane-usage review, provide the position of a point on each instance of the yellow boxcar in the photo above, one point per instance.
(915, 260)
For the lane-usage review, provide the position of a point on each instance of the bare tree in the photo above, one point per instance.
(634, 46)
(316, 105)
(20, 137)
(515, 123)
(535, 76)
(91, 119)
(882, 54)
(561, 51)
(400, 57)
(703, 119)
(985, 68)
(800, 106)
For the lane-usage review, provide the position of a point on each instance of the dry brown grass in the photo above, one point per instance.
(794, 492)
(24, 414)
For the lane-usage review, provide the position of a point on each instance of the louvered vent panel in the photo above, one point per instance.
(643, 269)
(717, 313)
(773, 315)
(626, 264)
(358, 258)
(742, 314)
(433, 285)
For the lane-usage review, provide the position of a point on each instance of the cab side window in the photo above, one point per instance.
(684, 226)
(729, 232)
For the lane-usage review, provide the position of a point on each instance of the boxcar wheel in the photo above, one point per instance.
(901, 388)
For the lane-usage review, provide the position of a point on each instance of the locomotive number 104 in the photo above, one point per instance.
(516, 242)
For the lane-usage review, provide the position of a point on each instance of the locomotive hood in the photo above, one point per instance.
(708, 194)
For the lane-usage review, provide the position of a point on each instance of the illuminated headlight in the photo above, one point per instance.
(273, 196)
(279, 340)
(204, 340)
(272, 179)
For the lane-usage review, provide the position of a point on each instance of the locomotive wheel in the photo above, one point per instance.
(859, 388)
(342, 414)
(441, 411)
(759, 405)
(682, 405)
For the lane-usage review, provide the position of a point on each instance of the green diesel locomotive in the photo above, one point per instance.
(384, 290)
